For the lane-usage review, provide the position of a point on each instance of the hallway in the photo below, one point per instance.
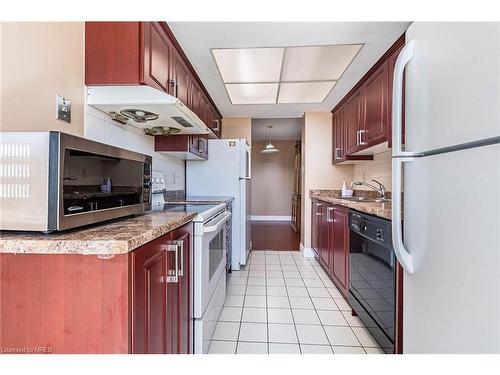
(276, 235)
(283, 303)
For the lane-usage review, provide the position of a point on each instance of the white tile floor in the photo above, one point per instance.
(285, 303)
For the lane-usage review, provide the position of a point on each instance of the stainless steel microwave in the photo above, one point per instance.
(54, 181)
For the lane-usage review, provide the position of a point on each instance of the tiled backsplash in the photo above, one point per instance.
(378, 169)
(99, 127)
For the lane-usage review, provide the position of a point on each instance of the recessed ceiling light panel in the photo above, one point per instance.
(317, 63)
(304, 92)
(252, 93)
(249, 65)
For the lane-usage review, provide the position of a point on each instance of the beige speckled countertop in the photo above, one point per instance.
(333, 196)
(116, 237)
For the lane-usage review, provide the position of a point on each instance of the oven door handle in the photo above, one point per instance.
(218, 225)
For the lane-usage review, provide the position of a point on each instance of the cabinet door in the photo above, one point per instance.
(151, 314)
(354, 122)
(340, 247)
(157, 57)
(376, 106)
(203, 146)
(182, 237)
(194, 97)
(339, 123)
(391, 64)
(315, 227)
(326, 248)
(181, 79)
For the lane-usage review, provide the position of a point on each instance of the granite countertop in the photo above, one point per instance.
(382, 210)
(119, 236)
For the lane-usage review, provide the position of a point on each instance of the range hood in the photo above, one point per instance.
(152, 110)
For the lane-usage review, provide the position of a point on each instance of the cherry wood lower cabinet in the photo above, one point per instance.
(64, 303)
(330, 241)
(161, 318)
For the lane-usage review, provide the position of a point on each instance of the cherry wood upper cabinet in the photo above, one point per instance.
(158, 50)
(376, 94)
(144, 53)
(339, 132)
(355, 122)
(367, 110)
(180, 79)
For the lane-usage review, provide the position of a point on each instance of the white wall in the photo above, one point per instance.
(99, 127)
(318, 172)
(379, 169)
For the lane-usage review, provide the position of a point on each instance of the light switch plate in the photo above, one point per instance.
(63, 108)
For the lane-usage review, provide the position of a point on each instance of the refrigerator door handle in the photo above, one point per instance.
(404, 58)
(404, 257)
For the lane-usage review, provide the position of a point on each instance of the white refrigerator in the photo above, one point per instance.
(227, 172)
(446, 187)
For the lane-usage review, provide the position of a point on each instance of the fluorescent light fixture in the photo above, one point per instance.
(252, 93)
(278, 75)
(250, 65)
(317, 63)
(304, 92)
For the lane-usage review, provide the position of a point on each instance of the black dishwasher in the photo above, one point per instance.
(372, 276)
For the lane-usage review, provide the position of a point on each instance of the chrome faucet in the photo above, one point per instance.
(380, 189)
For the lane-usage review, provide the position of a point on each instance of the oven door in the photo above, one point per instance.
(210, 259)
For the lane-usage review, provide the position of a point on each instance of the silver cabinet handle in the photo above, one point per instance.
(180, 246)
(357, 137)
(173, 274)
(318, 205)
(337, 153)
(398, 158)
(328, 216)
(216, 126)
(362, 137)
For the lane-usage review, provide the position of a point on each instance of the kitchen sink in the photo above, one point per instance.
(366, 199)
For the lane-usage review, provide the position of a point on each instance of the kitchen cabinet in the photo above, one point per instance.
(367, 112)
(158, 51)
(145, 53)
(339, 231)
(354, 122)
(375, 97)
(338, 129)
(187, 147)
(181, 78)
(82, 304)
(161, 295)
(315, 226)
(330, 242)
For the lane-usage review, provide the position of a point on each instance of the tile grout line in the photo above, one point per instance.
(242, 309)
(316, 311)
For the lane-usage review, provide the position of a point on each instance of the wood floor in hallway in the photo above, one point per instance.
(274, 235)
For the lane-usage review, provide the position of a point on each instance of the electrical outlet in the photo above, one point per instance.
(63, 109)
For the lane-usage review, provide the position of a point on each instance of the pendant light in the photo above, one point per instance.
(269, 149)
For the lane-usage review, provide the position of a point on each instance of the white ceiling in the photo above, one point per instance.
(199, 38)
(284, 129)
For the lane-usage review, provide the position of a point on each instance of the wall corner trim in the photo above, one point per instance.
(306, 252)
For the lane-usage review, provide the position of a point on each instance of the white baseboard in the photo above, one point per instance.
(307, 252)
(271, 218)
